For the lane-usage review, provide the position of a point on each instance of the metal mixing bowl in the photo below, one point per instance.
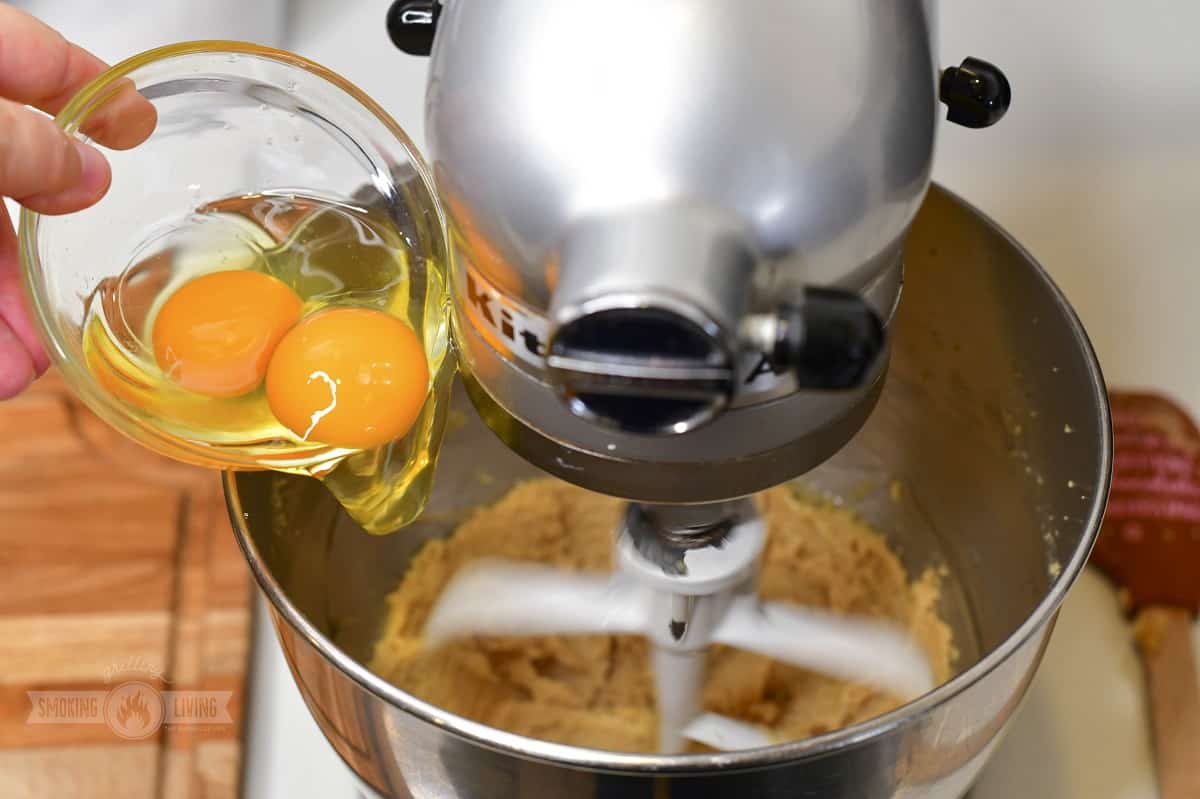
(989, 453)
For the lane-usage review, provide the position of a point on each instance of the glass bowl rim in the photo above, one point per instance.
(54, 338)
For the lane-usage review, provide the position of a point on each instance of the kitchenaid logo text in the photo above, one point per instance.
(521, 333)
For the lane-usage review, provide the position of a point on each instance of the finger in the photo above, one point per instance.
(16, 368)
(95, 177)
(43, 168)
(14, 313)
(123, 120)
(39, 67)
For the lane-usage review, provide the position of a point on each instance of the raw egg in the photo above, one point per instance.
(216, 333)
(354, 378)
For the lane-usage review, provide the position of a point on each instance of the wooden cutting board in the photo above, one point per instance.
(124, 607)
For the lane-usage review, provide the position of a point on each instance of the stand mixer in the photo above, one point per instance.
(680, 232)
(678, 235)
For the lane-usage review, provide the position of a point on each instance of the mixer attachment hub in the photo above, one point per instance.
(645, 370)
(663, 534)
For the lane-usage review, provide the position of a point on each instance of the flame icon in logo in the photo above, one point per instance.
(134, 710)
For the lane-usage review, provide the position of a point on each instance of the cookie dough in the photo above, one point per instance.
(597, 691)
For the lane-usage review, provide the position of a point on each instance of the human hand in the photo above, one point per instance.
(41, 167)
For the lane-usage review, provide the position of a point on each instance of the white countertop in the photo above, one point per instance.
(1096, 170)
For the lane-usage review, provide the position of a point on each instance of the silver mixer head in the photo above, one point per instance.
(678, 225)
(678, 230)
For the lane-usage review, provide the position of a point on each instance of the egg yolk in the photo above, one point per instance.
(348, 377)
(216, 333)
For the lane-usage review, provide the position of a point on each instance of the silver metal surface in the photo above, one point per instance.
(967, 463)
(710, 160)
(743, 450)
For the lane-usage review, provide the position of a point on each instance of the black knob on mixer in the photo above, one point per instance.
(411, 24)
(831, 342)
(976, 92)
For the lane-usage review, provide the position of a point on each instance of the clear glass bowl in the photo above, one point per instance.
(234, 119)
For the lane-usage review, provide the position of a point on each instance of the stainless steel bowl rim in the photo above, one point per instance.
(808, 748)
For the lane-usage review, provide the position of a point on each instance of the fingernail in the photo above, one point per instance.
(94, 176)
